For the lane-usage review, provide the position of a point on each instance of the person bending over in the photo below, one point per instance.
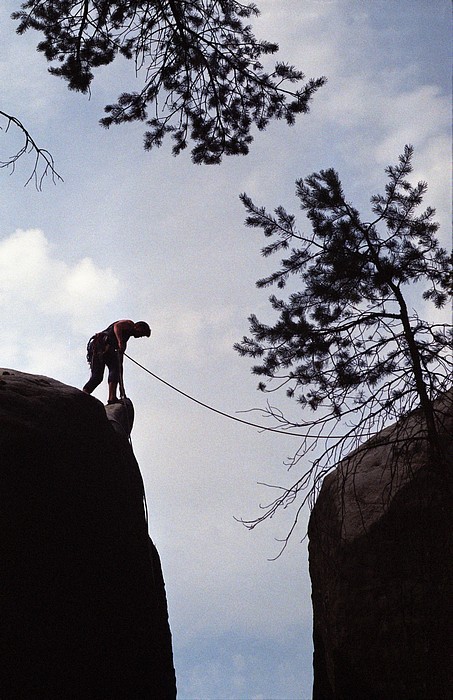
(106, 349)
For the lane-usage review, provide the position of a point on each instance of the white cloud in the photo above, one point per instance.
(413, 117)
(82, 291)
(22, 257)
(386, 120)
(46, 302)
(181, 330)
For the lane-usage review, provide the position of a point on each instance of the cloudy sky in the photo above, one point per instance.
(138, 235)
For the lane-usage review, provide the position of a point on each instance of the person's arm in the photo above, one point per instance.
(123, 331)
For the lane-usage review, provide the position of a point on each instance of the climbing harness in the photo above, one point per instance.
(97, 343)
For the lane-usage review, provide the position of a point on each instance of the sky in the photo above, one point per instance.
(138, 235)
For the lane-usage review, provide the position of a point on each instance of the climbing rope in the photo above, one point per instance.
(123, 396)
(211, 408)
(129, 430)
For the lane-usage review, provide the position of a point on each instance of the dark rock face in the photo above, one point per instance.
(83, 606)
(381, 570)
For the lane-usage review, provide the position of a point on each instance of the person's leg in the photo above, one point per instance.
(97, 373)
(112, 360)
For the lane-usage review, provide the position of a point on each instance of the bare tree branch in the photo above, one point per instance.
(43, 164)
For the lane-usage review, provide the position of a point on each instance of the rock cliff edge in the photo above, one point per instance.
(83, 606)
(381, 569)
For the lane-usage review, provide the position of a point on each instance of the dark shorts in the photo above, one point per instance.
(98, 363)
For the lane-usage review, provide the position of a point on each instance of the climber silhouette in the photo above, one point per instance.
(106, 349)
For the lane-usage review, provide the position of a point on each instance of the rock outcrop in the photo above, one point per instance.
(381, 569)
(121, 416)
(83, 606)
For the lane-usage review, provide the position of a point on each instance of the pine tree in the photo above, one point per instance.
(345, 344)
(203, 79)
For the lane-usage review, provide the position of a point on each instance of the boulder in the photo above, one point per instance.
(121, 416)
(380, 550)
(83, 604)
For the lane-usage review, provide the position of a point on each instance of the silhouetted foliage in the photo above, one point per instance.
(345, 344)
(43, 163)
(203, 78)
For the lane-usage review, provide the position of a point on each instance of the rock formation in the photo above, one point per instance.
(83, 606)
(121, 416)
(381, 568)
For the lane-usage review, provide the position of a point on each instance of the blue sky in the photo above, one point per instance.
(138, 235)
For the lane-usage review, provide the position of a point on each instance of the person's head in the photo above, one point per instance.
(141, 329)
